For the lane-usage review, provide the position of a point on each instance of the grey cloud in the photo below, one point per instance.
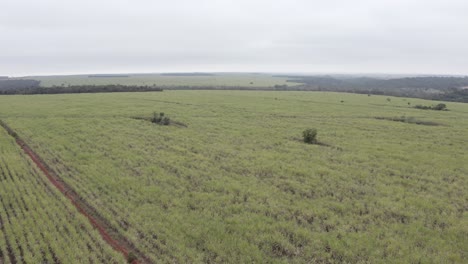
(401, 36)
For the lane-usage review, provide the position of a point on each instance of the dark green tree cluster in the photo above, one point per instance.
(160, 119)
(450, 88)
(34, 88)
(453, 95)
(438, 107)
(350, 83)
(310, 136)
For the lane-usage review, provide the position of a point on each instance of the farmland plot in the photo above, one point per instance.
(214, 80)
(37, 224)
(237, 185)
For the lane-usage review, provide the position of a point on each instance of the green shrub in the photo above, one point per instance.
(440, 107)
(166, 121)
(156, 118)
(310, 136)
(160, 119)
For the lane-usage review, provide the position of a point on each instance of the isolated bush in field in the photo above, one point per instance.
(409, 120)
(166, 121)
(422, 107)
(310, 135)
(13, 134)
(160, 119)
(440, 107)
(156, 118)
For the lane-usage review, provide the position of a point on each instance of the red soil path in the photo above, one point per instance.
(117, 241)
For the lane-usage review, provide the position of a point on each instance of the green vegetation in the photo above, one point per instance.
(37, 224)
(310, 135)
(438, 107)
(160, 119)
(192, 80)
(427, 87)
(79, 89)
(409, 120)
(237, 186)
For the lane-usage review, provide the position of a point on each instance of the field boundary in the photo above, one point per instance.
(109, 234)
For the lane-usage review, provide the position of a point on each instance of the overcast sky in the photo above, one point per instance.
(332, 36)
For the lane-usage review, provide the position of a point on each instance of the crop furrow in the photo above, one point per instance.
(116, 240)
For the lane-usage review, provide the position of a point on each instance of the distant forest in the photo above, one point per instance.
(16, 85)
(108, 76)
(182, 74)
(434, 88)
(32, 87)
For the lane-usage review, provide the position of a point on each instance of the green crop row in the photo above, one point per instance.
(37, 224)
(238, 185)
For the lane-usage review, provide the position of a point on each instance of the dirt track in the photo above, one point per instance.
(108, 233)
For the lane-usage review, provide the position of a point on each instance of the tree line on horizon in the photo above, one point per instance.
(11, 87)
(431, 87)
(434, 88)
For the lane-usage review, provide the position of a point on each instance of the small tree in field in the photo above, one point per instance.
(310, 136)
(160, 119)
(166, 121)
(157, 118)
(440, 107)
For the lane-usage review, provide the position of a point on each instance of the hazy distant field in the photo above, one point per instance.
(245, 80)
(237, 185)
